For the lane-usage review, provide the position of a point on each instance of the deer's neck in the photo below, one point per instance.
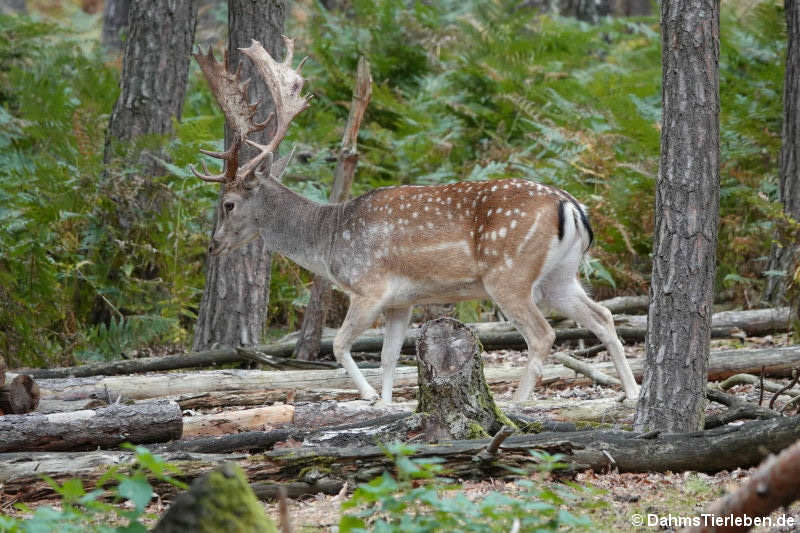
(299, 228)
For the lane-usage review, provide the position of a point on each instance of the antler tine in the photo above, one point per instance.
(300, 65)
(206, 176)
(265, 151)
(289, 45)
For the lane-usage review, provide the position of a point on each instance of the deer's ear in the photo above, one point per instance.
(278, 167)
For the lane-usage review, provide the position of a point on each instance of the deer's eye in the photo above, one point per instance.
(228, 207)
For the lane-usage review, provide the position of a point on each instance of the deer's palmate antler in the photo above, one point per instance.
(517, 242)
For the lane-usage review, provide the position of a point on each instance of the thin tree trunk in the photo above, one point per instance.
(154, 71)
(784, 254)
(233, 310)
(687, 214)
(115, 21)
(321, 291)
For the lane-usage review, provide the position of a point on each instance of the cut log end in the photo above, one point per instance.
(20, 396)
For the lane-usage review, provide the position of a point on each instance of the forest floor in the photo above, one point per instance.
(616, 501)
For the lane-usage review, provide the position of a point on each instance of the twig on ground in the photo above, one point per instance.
(795, 378)
(491, 450)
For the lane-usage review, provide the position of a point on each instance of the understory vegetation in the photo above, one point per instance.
(96, 261)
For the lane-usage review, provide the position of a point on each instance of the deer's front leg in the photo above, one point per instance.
(396, 325)
(360, 315)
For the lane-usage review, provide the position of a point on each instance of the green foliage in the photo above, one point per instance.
(421, 498)
(116, 499)
(108, 342)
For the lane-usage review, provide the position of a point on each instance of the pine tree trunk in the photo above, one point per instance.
(115, 21)
(154, 71)
(687, 205)
(233, 310)
(784, 255)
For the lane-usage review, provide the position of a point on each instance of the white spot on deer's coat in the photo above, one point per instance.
(489, 213)
(513, 224)
(502, 232)
(494, 235)
(509, 262)
(414, 214)
(499, 210)
(494, 188)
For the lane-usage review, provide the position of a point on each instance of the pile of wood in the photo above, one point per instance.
(330, 434)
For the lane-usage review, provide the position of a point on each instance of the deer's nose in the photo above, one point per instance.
(213, 246)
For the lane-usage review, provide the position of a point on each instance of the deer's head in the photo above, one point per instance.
(244, 203)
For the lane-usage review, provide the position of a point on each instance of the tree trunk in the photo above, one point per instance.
(321, 295)
(154, 71)
(687, 214)
(221, 500)
(115, 22)
(233, 310)
(157, 421)
(783, 259)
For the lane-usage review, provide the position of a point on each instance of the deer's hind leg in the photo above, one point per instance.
(569, 298)
(514, 296)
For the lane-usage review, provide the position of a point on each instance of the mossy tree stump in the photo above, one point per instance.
(454, 401)
(221, 500)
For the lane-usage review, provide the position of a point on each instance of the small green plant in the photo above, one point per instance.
(116, 498)
(108, 342)
(421, 498)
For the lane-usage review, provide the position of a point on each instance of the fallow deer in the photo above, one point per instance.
(514, 241)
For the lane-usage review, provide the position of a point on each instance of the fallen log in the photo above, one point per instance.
(493, 336)
(237, 421)
(773, 485)
(19, 396)
(156, 421)
(247, 441)
(722, 364)
(707, 451)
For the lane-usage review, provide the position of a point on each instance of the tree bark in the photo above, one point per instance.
(115, 21)
(773, 485)
(783, 258)
(157, 421)
(233, 310)
(221, 500)
(321, 297)
(687, 214)
(154, 71)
